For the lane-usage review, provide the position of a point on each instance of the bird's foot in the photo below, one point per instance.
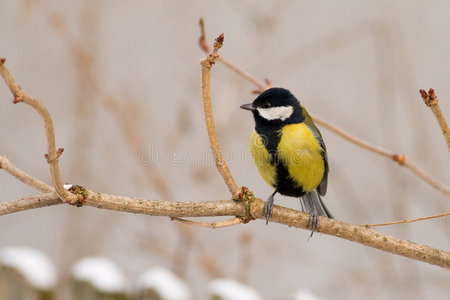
(313, 221)
(268, 208)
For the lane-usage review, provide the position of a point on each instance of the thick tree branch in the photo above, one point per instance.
(53, 154)
(165, 208)
(358, 234)
(246, 208)
(27, 203)
(133, 205)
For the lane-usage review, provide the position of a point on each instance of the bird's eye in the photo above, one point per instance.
(265, 105)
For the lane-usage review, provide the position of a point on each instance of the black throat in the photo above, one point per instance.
(270, 130)
(270, 133)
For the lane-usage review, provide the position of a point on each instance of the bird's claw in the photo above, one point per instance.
(268, 208)
(313, 221)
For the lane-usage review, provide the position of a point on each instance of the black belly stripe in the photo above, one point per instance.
(284, 183)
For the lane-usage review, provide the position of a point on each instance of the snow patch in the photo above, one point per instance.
(228, 289)
(36, 267)
(67, 186)
(305, 295)
(102, 273)
(165, 283)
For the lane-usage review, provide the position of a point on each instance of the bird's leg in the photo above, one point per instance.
(268, 207)
(302, 205)
(312, 206)
(313, 221)
(313, 217)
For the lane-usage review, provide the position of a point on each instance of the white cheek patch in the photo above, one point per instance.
(276, 113)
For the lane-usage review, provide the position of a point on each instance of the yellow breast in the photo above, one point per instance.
(301, 153)
(262, 159)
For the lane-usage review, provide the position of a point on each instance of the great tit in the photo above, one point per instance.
(289, 152)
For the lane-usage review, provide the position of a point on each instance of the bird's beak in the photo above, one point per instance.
(248, 106)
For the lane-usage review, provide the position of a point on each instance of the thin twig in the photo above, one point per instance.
(431, 101)
(213, 225)
(53, 154)
(401, 159)
(406, 220)
(246, 75)
(203, 44)
(6, 165)
(221, 164)
(355, 140)
(426, 177)
(84, 59)
(132, 133)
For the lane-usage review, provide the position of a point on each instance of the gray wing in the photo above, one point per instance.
(322, 187)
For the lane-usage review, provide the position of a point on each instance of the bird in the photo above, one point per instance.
(289, 152)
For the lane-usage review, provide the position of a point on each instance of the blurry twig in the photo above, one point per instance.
(221, 164)
(53, 154)
(88, 72)
(203, 44)
(245, 257)
(84, 61)
(431, 101)
(406, 220)
(401, 159)
(6, 165)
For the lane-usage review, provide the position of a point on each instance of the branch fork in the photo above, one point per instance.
(52, 154)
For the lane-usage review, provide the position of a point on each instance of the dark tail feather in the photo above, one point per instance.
(311, 199)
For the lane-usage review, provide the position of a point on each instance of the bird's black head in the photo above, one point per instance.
(275, 107)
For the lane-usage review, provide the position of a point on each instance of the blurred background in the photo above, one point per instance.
(122, 83)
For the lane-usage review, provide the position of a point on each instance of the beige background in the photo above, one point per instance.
(359, 64)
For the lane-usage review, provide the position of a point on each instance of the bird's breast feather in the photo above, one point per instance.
(301, 153)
